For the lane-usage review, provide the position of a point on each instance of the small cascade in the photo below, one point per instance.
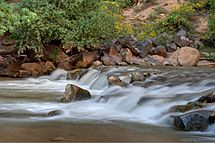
(148, 102)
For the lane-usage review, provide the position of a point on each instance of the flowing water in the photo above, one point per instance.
(132, 113)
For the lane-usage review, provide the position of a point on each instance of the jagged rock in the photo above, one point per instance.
(194, 121)
(160, 50)
(186, 56)
(210, 98)
(181, 39)
(48, 67)
(75, 93)
(113, 80)
(86, 59)
(75, 74)
(145, 48)
(171, 47)
(127, 56)
(107, 60)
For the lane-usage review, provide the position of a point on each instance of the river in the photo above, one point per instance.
(133, 113)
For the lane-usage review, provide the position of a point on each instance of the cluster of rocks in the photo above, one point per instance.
(197, 120)
(180, 50)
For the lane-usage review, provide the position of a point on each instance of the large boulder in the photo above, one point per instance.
(75, 93)
(194, 121)
(111, 57)
(185, 56)
(145, 48)
(38, 69)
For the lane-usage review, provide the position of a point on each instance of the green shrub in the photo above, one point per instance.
(81, 22)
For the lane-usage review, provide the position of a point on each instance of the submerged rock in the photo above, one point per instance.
(75, 93)
(55, 113)
(188, 107)
(113, 80)
(193, 121)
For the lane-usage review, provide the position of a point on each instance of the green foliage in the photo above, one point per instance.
(81, 22)
(122, 3)
(178, 19)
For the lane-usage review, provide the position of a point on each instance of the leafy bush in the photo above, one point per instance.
(122, 3)
(81, 22)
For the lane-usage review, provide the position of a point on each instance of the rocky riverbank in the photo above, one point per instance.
(181, 50)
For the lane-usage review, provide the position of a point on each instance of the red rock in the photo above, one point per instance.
(115, 55)
(127, 56)
(86, 59)
(48, 67)
(35, 68)
(107, 60)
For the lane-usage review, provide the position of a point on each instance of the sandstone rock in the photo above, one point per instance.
(97, 64)
(86, 59)
(155, 60)
(107, 60)
(24, 73)
(48, 67)
(127, 56)
(11, 71)
(194, 121)
(75, 74)
(113, 80)
(54, 53)
(75, 93)
(38, 69)
(185, 56)
(160, 50)
(205, 63)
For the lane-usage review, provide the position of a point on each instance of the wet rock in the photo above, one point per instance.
(194, 121)
(160, 50)
(190, 106)
(75, 74)
(210, 98)
(24, 73)
(86, 59)
(75, 93)
(185, 56)
(137, 76)
(113, 80)
(55, 113)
